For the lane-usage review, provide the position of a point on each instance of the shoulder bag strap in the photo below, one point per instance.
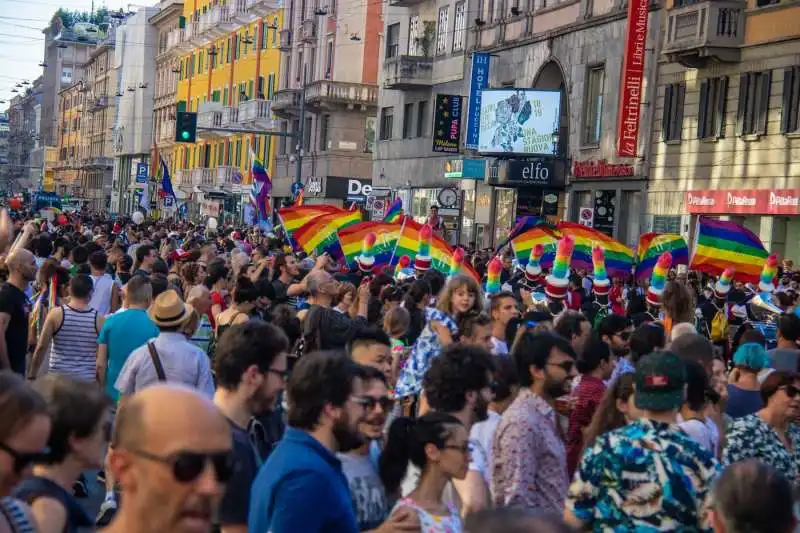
(162, 376)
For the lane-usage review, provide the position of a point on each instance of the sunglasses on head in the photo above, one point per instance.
(188, 466)
(23, 460)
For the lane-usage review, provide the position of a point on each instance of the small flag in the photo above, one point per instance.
(395, 211)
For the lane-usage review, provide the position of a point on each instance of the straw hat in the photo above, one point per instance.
(168, 310)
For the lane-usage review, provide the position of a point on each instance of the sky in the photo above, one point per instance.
(22, 40)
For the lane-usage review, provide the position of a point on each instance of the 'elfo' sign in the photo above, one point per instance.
(630, 103)
(447, 124)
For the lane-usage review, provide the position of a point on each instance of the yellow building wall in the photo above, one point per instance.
(200, 82)
(771, 23)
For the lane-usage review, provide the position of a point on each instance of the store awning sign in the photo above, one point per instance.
(478, 82)
(474, 169)
(744, 201)
(447, 124)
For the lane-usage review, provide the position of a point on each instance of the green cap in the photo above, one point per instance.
(660, 380)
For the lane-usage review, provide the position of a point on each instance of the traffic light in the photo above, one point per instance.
(185, 127)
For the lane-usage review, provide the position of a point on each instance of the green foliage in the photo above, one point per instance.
(70, 18)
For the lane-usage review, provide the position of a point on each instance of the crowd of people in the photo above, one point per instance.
(217, 380)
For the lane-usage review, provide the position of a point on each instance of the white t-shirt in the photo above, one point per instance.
(705, 432)
(499, 347)
(481, 436)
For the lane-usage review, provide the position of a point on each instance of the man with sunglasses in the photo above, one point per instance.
(616, 331)
(250, 365)
(172, 457)
(360, 466)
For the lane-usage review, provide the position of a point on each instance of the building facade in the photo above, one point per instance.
(23, 139)
(728, 120)
(227, 71)
(327, 98)
(72, 149)
(575, 48)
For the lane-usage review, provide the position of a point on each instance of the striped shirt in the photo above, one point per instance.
(203, 333)
(74, 350)
(16, 515)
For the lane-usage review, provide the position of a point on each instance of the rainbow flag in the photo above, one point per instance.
(524, 224)
(300, 198)
(320, 234)
(395, 211)
(721, 244)
(619, 258)
(387, 234)
(652, 245)
(296, 216)
(523, 243)
(441, 252)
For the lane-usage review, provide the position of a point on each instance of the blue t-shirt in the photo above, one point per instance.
(124, 332)
(743, 402)
(301, 488)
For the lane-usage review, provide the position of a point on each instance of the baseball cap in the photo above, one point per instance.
(660, 380)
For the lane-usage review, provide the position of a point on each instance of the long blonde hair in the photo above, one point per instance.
(443, 302)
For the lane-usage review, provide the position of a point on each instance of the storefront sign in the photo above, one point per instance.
(744, 201)
(313, 186)
(478, 82)
(632, 76)
(141, 172)
(600, 169)
(350, 189)
(447, 124)
(474, 169)
(519, 121)
(539, 173)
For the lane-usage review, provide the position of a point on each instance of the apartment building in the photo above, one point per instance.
(327, 98)
(728, 120)
(227, 71)
(167, 23)
(575, 48)
(70, 143)
(23, 140)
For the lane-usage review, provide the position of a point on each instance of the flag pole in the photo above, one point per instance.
(396, 244)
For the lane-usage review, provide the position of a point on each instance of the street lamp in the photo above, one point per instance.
(554, 137)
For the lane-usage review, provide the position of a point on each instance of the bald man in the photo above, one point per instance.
(172, 458)
(14, 309)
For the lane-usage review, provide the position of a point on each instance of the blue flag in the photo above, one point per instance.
(166, 182)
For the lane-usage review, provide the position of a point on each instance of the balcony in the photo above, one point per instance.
(237, 9)
(175, 38)
(404, 3)
(100, 162)
(189, 34)
(206, 121)
(308, 30)
(700, 32)
(326, 94)
(166, 132)
(407, 72)
(285, 40)
(257, 113)
(183, 177)
(286, 102)
(99, 103)
(228, 176)
(263, 7)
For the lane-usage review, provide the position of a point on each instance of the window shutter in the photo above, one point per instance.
(721, 107)
(666, 113)
(677, 134)
(703, 113)
(763, 102)
(786, 110)
(741, 111)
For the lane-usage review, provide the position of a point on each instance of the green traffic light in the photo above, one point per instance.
(185, 135)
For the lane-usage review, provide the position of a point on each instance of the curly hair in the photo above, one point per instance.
(607, 417)
(189, 273)
(459, 369)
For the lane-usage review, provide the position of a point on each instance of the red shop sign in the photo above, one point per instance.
(744, 201)
(630, 100)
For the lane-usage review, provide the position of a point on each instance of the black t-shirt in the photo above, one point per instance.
(281, 294)
(14, 302)
(235, 505)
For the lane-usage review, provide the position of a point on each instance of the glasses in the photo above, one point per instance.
(791, 391)
(463, 448)
(24, 459)
(566, 366)
(624, 335)
(283, 374)
(187, 466)
(385, 402)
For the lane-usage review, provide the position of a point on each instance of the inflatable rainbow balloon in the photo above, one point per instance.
(767, 281)
(457, 262)
(599, 263)
(659, 277)
(423, 259)
(402, 264)
(536, 255)
(367, 258)
(563, 255)
(494, 270)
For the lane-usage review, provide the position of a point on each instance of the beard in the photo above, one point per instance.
(346, 437)
(555, 388)
(620, 352)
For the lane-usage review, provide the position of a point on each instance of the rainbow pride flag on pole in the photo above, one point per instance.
(619, 258)
(395, 211)
(441, 252)
(652, 245)
(296, 216)
(721, 244)
(386, 234)
(320, 234)
(523, 243)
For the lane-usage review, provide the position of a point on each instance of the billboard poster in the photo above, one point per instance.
(630, 101)
(447, 124)
(519, 121)
(478, 82)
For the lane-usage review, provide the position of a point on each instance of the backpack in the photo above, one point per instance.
(311, 337)
(719, 326)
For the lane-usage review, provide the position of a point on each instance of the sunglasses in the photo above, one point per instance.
(187, 466)
(23, 460)
(369, 403)
(624, 335)
(566, 366)
(791, 391)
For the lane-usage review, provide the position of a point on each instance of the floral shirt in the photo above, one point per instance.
(423, 352)
(749, 437)
(646, 476)
(529, 459)
(430, 523)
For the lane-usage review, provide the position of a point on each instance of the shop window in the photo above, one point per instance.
(593, 106)
(667, 224)
(711, 117)
(393, 40)
(408, 115)
(790, 112)
(754, 91)
(422, 118)
(442, 29)
(387, 123)
(672, 113)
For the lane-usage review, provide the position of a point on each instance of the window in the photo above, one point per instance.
(460, 27)
(408, 112)
(422, 118)
(323, 132)
(270, 85)
(754, 89)
(790, 114)
(228, 51)
(329, 60)
(295, 131)
(711, 116)
(200, 62)
(238, 154)
(593, 105)
(387, 123)
(414, 48)
(282, 138)
(262, 36)
(672, 114)
(307, 135)
(274, 30)
(225, 96)
(442, 29)
(393, 40)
